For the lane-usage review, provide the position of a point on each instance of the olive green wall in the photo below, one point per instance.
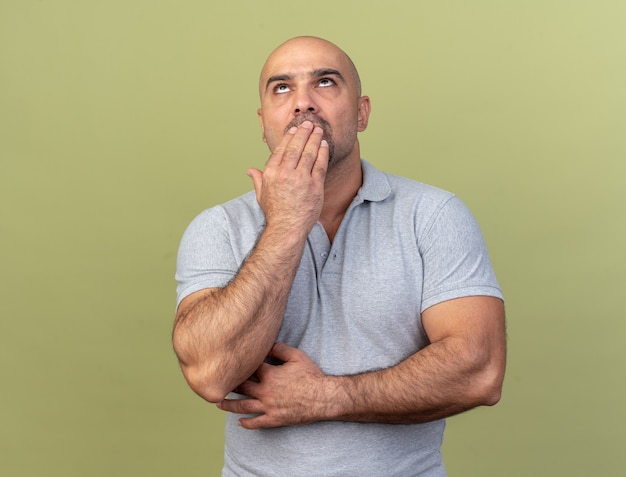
(120, 120)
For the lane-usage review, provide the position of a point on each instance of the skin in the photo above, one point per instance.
(311, 111)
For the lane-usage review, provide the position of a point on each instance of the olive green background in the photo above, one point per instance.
(120, 120)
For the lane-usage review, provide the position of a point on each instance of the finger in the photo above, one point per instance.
(262, 371)
(277, 154)
(284, 352)
(257, 180)
(320, 166)
(311, 149)
(241, 406)
(258, 422)
(248, 388)
(294, 149)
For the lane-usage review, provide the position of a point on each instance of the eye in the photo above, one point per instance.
(281, 88)
(326, 82)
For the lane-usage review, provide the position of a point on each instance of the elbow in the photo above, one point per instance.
(204, 384)
(201, 376)
(200, 373)
(492, 396)
(490, 386)
(490, 369)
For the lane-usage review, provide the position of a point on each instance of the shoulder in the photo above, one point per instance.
(427, 195)
(236, 224)
(242, 210)
(409, 197)
(434, 214)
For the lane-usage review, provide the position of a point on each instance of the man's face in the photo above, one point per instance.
(310, 79)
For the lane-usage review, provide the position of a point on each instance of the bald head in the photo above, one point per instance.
(301, 49)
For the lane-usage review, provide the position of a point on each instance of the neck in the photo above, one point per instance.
(343, 181)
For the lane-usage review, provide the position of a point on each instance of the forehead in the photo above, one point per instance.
(301, 58)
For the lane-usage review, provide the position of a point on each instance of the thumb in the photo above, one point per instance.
(257, 180)
(284, 352)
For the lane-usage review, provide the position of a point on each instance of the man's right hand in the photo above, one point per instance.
(291, 188)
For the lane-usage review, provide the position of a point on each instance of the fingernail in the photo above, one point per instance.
(307, 125)
(324, 143)
(318, 130)
(292, 130)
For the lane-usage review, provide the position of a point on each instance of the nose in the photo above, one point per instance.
(304, 103)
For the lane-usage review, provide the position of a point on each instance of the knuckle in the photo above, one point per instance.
(309, 155)
(292, 151)
(246, 406)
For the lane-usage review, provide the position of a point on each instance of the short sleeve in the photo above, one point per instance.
(205, 255)
(455, 259)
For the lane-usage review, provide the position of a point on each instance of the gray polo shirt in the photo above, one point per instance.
(355, 306)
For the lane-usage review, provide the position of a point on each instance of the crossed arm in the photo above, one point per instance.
(222, 336)
(462, 368)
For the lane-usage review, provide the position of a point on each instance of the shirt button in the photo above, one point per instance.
(324, 255)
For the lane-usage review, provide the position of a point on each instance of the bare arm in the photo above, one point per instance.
(222, 335)
(462, 368)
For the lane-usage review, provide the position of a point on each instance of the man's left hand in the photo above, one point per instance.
(295, 392)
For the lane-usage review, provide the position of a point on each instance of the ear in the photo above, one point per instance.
(364, 113)
(259, 113)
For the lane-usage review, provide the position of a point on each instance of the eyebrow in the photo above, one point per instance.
(314, 74)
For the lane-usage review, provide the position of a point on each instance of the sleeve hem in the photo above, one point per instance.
(219, 280)
(462, 293)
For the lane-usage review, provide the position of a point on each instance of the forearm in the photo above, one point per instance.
(223, 336)
(443, 379)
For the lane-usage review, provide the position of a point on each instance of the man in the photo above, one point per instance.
(337, 313)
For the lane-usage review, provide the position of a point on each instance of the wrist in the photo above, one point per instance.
(285, 235)
(339, 403)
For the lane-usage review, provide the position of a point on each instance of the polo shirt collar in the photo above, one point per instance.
(375, 186)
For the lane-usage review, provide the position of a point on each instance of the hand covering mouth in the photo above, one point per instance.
(316, 120)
